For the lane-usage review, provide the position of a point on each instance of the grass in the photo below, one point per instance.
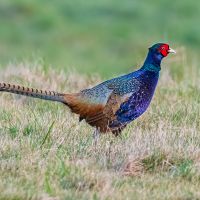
(46, 154)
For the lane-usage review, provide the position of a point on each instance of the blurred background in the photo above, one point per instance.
(108, 37)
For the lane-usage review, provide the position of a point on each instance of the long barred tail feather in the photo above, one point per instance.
(47, 95)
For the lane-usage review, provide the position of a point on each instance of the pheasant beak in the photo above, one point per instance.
(171, 50)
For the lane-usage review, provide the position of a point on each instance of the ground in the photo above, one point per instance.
(46, 153)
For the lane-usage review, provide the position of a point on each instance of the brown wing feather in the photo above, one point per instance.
(96, 115)
(102, 119)
(77, 105)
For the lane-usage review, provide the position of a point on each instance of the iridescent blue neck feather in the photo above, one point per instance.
(152, 62)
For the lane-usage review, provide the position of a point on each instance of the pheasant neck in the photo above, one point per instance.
(151, 67)
(152, 62)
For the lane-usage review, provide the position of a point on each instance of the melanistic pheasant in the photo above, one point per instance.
(111, 105)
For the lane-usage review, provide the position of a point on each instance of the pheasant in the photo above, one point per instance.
(111, 105)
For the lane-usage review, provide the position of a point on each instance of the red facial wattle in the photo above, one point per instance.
(164, 49)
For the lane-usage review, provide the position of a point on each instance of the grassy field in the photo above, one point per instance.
(46, 154)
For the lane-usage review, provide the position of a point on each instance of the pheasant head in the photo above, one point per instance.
(157, 52)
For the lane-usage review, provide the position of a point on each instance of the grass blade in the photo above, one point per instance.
(47, 134)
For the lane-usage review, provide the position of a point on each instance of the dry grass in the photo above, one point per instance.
(46, 154)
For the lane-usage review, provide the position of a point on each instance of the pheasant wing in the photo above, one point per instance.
(98, 105)
(121, 91)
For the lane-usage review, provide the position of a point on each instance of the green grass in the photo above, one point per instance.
(45, 153)
(106, 37)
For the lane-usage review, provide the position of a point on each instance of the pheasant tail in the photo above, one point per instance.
(47, 95)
